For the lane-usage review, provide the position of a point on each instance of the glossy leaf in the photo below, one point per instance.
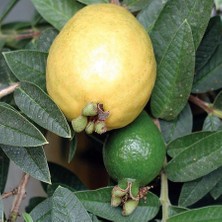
(98, 203)
(38, 106)
(209, 43)
(135, 5)
(67, 207)
(42, 212)
(57, 13)
(210, 76)
(179, 127)
(206, 153)
(218, 101)
(4, 167)
(216, 192)
(175, 75)
(180, 144)
(17, 130)
(27, 217)
(30, 160)
(150, 14)
(88, 2)
(208, 214)
(212, 123)
(195, 190)
(28, 65)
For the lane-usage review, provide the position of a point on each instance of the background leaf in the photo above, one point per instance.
(174, 210)
(209, 214)
(67, 207)
(4, 166)
(98, 203)
(175, 75)
(38, 106)
(1, 210)
(18, 131)
(216, 192)
(178, 127)
(31, 160)
(72, 148)
(218, 101)
(206, 153)
(195, 190)
(57, 13)
(88, 2)
(28, 65)
(135, 5)
(212, 123)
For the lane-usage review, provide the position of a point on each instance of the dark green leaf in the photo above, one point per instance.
(195, 190)
(4, 166)
(205, 214)
(179, 127)
(216, 192)
(218, 101)
(180, 144)
(175, 75)
(57, 13)
(135, 5)
(210, 76)
(212, 123)
(38, 106)
(27, 217)
(31, 160)
(33, 202)
(197, 160)
(42, 212)
(173, 210)
(28, 65)
(88, 2)
(98, 203)
(209, 43)
(149, 15)
(67, 207)
(72, 149)
(15, 130)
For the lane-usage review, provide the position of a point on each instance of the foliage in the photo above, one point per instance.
(186, 101)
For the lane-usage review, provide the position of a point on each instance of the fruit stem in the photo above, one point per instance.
(164, 198)
(116, 2)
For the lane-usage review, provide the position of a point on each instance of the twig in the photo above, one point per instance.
(10, 193)
(18, 198)
(8, 90)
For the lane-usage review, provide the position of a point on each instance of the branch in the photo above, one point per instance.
(10, 193)
(8, 90)
(18, 198)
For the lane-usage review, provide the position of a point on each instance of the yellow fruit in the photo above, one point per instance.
(102, 55)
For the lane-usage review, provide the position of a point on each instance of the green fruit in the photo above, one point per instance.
(134, 156)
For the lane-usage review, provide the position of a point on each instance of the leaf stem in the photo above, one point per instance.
(164, 198)
(10, 5)
(205, 106)
(8, 90)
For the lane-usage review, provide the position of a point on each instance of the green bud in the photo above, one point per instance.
(79, 123)
(100, 127)
(129, 206)
(118, 192)
(115, 201)
(90, 109)
(134, 191)
(90, 127)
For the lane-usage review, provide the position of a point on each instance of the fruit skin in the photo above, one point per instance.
(102, 55)
(136, 152)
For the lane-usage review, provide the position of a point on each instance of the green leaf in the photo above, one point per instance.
(175, 75)
(207, 214)
(212, 123)
(88, 2)
(45, 40)
(28, 65)
(218, 101)
(30, 160)
(210, 76)
(216, 192)
(195, 190)
(27, 217)
(150, 14)
(178, 127)
(42, 212)
(1, 210)
(57, 13)
(197, 160)
(209, 43)
(180, 144)
(38, 106)
(174, 210)
(135, 5)
(67, 207)
(17, 130)
(72, 149)
(218, 4)
(4, 167)
(98, 203)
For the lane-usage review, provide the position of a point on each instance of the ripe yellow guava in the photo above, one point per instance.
(102, 56)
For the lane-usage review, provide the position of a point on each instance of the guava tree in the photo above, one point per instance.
(185, 104)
